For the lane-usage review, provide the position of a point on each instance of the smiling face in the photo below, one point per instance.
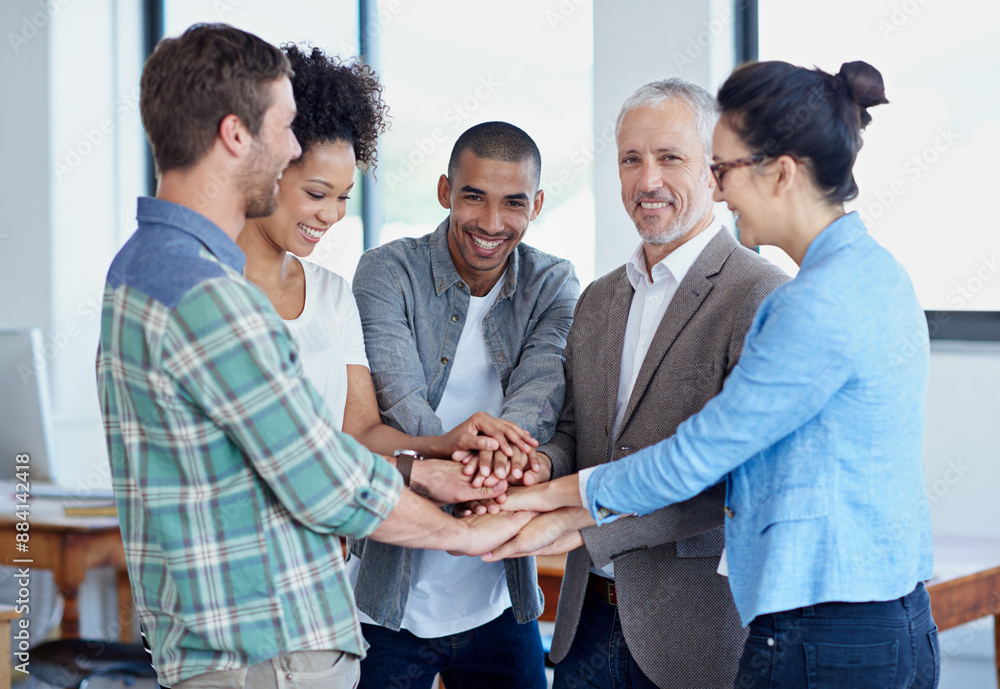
(666, 183)
(491, 203)
(272, 149)
(739, 190)
(312, 196)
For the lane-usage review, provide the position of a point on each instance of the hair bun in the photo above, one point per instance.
(863, 83)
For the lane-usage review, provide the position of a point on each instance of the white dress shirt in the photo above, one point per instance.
(653, 292)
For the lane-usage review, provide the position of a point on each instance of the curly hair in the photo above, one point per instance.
(337, 101)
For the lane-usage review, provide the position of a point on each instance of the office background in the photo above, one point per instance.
(74, 159)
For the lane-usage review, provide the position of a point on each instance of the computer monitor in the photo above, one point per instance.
(25, 412)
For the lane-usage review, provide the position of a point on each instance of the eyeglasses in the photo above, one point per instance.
(720, 169)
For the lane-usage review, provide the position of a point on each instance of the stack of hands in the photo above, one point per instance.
(499, 484)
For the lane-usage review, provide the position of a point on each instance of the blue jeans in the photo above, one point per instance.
(599, 657)
(882, 645)
(501, 654)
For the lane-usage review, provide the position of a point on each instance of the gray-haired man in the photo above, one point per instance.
(652, 341)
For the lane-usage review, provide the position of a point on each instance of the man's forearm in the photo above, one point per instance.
(418, 523)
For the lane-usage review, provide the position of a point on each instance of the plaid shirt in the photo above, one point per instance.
(231, 481)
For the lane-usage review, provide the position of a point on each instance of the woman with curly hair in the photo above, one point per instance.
(340, 115)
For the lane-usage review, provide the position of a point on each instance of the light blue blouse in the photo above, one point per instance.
(818, 432)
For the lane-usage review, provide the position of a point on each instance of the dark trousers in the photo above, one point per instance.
(500, 654)
(882, 645)
(599, 657)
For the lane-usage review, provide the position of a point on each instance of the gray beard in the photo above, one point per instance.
(671, 235)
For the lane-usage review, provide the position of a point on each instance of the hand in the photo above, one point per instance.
(488, 467)
(522, 468)
(443, 481)
(467, 509)
(551, 533)
(486, 532)
(482, 432)
(545, 497)
(538, 471)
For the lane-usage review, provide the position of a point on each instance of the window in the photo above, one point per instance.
(927, 168)
(332, 26)
(448, 66)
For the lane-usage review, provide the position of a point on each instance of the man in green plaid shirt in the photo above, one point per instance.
(231, 481)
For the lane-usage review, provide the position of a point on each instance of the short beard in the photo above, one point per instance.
(259, 197)
(672, 234)
(261, 204)
(681, 225)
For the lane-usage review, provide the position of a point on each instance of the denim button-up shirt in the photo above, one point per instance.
(819, 433)
(413, 307)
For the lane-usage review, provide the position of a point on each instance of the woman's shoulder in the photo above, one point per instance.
(327, 288)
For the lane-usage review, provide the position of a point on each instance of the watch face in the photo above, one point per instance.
(407, 453)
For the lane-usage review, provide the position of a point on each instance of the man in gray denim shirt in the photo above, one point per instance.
(471, 297)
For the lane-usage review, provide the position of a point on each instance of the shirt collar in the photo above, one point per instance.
(677, 263)
(151, 211)
(834, 236)
(443, 268)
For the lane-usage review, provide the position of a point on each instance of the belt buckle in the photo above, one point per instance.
(610, 593)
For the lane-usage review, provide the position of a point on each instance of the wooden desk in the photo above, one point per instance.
(966, 584)
(7, 615)
(550, 574)
(69, 546)
(965, 587)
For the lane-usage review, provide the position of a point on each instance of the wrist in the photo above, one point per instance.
(405, 461)
(565, 491)
(545, 473)
(435, 446)
(419, 482)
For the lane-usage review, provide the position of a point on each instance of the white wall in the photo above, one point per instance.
(693, 40)
(24, 186)
(73, 164)
(72, 167)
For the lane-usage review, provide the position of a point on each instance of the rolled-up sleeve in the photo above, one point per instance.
(233, 358)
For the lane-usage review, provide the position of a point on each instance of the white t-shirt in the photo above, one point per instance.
(452, 594)
(329, 335)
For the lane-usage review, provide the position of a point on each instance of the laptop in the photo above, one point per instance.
(25, 410)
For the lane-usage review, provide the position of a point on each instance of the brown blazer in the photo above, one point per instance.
(677, 613)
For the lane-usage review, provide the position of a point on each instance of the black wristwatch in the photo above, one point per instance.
(404, 462)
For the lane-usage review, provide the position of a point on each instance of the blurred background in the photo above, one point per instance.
(73, 159)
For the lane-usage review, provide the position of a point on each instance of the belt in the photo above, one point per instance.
(605, 588)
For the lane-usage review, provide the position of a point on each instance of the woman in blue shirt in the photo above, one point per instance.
(818, 431)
